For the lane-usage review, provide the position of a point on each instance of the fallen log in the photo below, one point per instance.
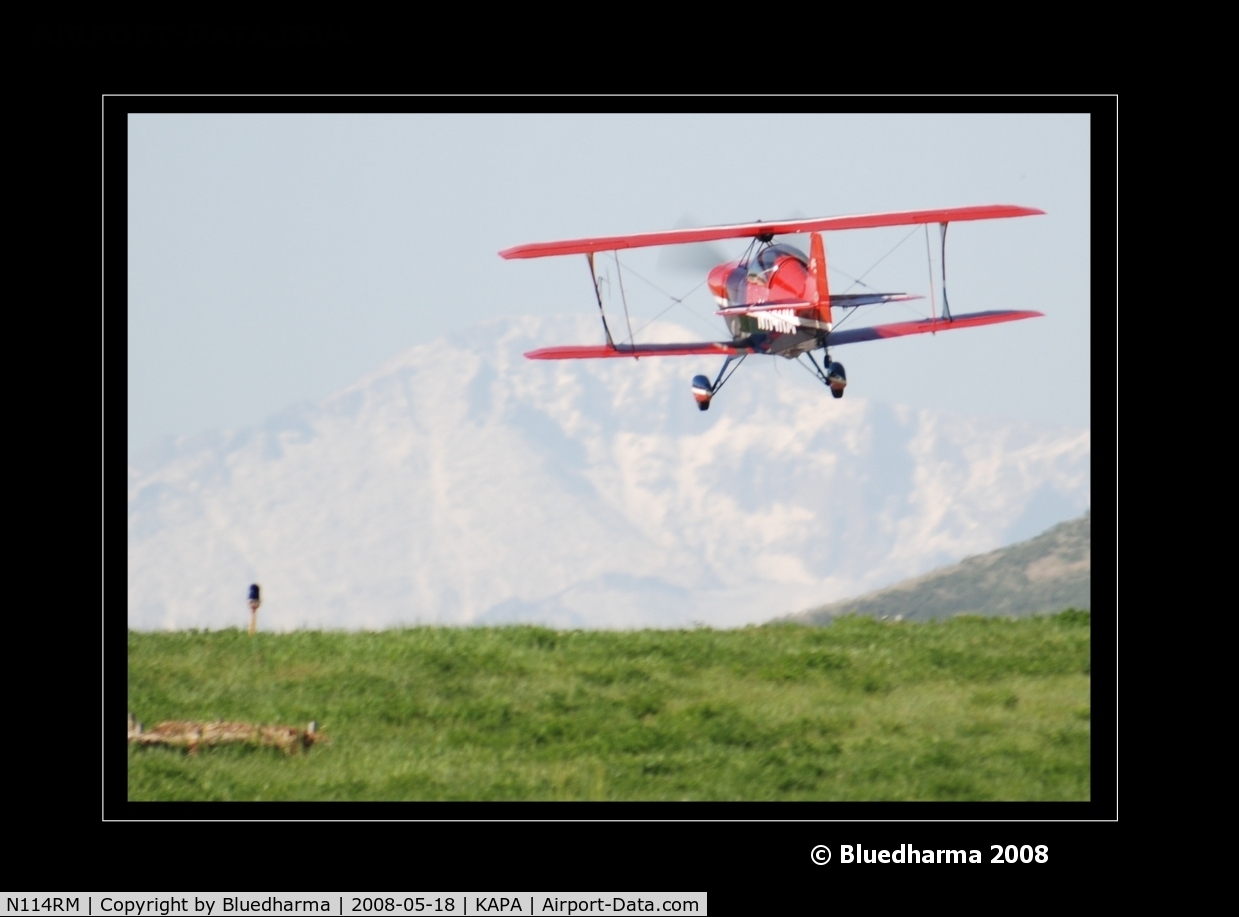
(194, 735)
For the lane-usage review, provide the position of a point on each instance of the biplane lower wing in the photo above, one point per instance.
(716, 348)
(603, 351)
(926, 326)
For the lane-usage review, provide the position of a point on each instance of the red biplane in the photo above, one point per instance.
(775, 299)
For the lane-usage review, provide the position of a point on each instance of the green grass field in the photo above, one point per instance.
(966, 709)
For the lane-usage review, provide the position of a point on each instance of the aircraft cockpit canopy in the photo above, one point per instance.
(760, 270)
(767, 260)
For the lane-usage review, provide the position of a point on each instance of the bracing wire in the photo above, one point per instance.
(847, 276)
(624, 296)
(675, 300)
(843, 321)
(698, 317)
(861, 278)
(615, 256)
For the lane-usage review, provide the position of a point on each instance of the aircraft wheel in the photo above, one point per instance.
(838, 379)
(702, 390)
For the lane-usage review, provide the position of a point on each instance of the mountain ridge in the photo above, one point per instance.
(1048, 573)
(459, 483)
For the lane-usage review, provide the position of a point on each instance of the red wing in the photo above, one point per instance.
(925, 326)
(599, 351)
(713, 348)
(750, 230)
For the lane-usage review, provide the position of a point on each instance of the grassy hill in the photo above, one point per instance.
(971, 708)
(1043, 574)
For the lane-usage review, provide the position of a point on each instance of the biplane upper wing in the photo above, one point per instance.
(599, 351)
(752, 230)
(926, 326)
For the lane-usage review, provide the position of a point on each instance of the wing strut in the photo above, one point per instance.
(598, 295)
(624, 296)
(946, 307)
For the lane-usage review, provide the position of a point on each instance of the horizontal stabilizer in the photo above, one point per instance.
(753, 230)
(925, 326)
(841, 301)
(851, 300)
(770, 306)
(604, 351)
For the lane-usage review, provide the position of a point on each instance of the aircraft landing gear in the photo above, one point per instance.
(703, 391)
(834, 376)
(837, 379)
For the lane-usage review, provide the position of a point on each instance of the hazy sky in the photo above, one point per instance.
(278, 258)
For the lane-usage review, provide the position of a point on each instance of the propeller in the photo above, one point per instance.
(699, 257)
(695, 257)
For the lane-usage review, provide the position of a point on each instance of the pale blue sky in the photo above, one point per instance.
(274, 259)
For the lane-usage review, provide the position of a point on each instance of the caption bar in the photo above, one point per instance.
(451, 904)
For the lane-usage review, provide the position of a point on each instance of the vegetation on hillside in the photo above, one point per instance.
(965, 709)
(1040, 575)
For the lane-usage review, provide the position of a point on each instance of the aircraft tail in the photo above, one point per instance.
(819, 288)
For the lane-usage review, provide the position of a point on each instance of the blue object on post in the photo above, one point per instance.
(254, 592)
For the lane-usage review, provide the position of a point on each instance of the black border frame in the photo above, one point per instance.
(769, 838)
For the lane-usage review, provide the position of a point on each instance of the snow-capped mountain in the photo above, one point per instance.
(463, 484)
